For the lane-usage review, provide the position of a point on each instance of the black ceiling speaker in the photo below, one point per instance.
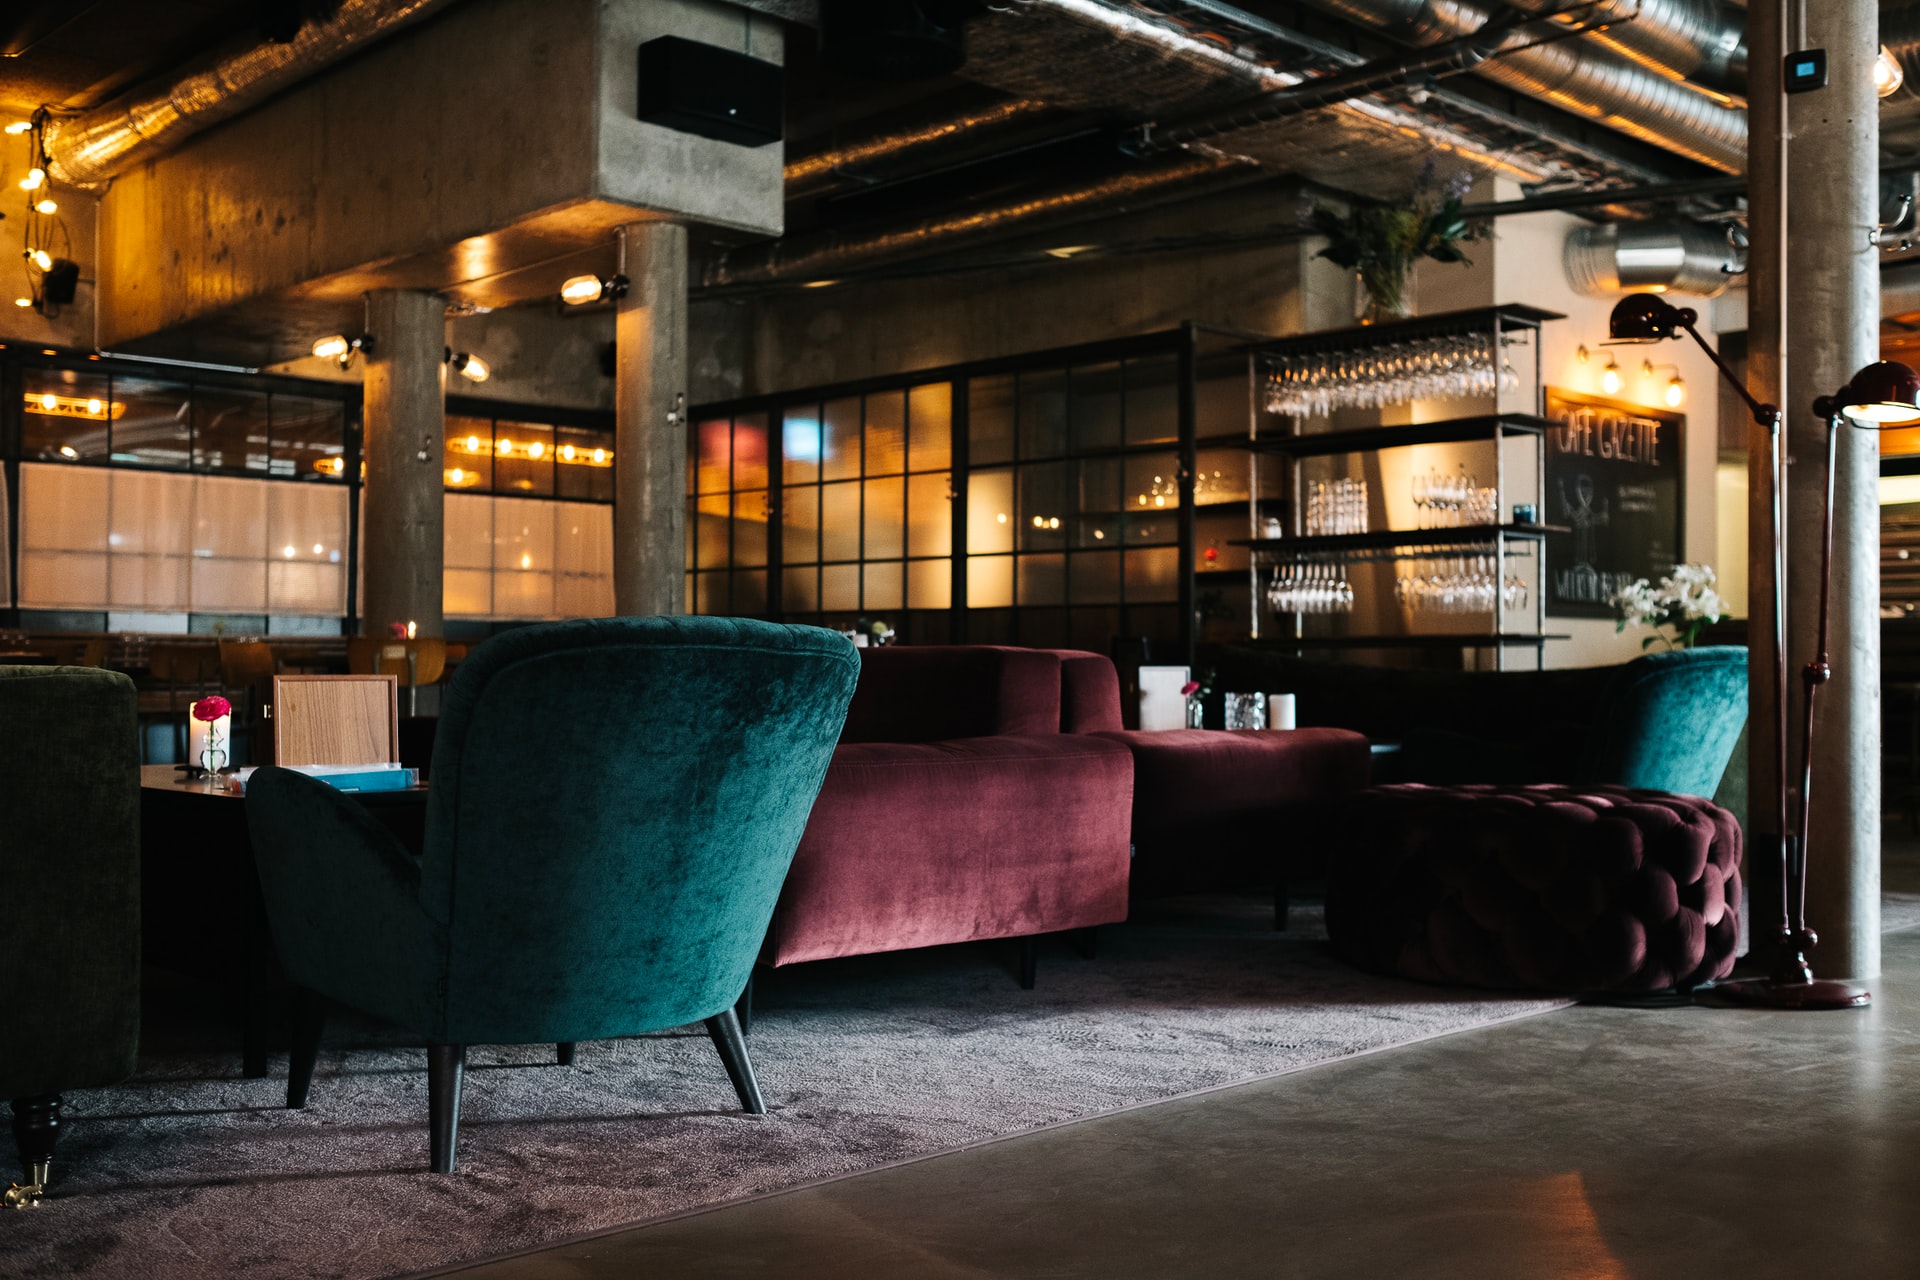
(59, 281)
(714, 92)
(895, 39)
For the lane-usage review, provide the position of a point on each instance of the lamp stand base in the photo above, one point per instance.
(1765, 993)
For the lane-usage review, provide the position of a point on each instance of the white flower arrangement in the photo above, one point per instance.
(1685, 602)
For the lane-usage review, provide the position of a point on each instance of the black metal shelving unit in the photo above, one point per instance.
(1505, 541)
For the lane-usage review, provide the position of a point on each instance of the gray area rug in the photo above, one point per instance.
(190, 1171)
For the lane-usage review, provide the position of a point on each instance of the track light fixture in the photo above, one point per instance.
(468, 365)
(342, 349)
(582, 290)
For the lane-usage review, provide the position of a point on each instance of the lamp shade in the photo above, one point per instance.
(1643, 317)
(1884, 394)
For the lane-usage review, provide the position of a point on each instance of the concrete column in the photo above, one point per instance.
(650, 423)
(1833, 328)
(1766, 379)
(405, 396)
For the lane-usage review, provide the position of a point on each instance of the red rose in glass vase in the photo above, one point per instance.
(211, 711)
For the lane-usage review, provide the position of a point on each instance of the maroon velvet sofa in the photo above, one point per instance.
(956, 810)
(1219, 810)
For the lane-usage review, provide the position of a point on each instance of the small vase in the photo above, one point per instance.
(1383, 295)
(1196, 713)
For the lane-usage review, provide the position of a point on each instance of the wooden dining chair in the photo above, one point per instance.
(413, 662)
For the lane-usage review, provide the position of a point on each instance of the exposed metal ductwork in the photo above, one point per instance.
(827, 256)
(823, 168)
(87, 150)
(1702, 40)
(1668, 257)
(1578, 76)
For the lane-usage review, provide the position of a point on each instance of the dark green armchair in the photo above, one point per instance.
(613, 809)
(69, 896)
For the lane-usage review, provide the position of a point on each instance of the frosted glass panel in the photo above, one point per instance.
(840, 586)
(64, 509)
(522, 537)
(160, 584)
(583, 539)
(930, 427)
(884, 518)
(63, 580)
(750, 451)
(840, 452)
(929, 584)
(884, 587)
(750, 528)
(216, 586)
(886, 433)
(523, 593)
(840, 522)
(989, 582)
(800, 589)
(800, 526)
(307, 587)
(1153, 575)
(929, 516)
(582, 597)
(468, 593)
(1043, 579)
(990, 511)
(151, 513)
(467, 537)
(713, 530)
(800, 442)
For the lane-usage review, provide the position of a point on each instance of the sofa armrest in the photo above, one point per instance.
(343, 898)
(935, 693)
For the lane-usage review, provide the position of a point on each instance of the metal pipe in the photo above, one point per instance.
(1667, 113)
(823, 168)
(1700, 40)
(1669, 255)
(87, 150)
(827, 256)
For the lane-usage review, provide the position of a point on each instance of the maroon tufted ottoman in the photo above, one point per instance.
(1550, 887)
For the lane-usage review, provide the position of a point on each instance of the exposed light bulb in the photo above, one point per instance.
(46, 206)
(471, 367)
(23, 302)
(526, 560)
(94, 407)
(1610, 377)
(456, 476)
(49, 402)
(566, 452)
(473, 444)
(332, 347)
(35, 176)
(1887, 75)
(505, 446)
(288, 551)
(599, 455)
(1676, 393)
(41, 259)
(580, 290)
(19, 127)
(68, 451)
(535, 449)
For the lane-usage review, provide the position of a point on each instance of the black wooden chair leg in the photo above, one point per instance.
(309, 1024)
(446, 1068)
(36, 1128)
(1281, 905)
(743, 1007)
(724, 1027)
(1029, 960)
(565, 1049)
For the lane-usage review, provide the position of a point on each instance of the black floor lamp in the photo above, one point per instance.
(1881, 395)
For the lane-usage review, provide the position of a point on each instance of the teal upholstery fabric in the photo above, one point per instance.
(614, 806)
(69, 880)
(1669, 722)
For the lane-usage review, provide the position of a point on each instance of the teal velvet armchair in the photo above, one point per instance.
(1669, 722)
(613, 809)
(69, 896)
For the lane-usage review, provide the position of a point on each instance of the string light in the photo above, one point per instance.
(46, 206)
(35, 176)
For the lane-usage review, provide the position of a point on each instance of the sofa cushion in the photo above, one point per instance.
(913, 845)
(929, 693)
(1089, 692)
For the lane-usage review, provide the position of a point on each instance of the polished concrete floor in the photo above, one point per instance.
(1596, 1142)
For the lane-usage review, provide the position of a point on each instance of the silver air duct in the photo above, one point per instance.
(1668, 257)
(825, 168)
(87, 150)
(1578, 77)
(1703, 40)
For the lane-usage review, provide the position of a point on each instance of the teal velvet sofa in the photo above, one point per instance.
(69, 896)
(614, 805)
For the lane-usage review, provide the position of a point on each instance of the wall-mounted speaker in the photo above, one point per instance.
(714, 92)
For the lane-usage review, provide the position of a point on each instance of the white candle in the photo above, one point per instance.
(1280, 711)
(198, 733)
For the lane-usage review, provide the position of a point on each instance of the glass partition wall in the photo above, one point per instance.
(152, 498)
(1042, 500)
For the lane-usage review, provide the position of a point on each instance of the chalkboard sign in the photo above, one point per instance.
(1615, 481)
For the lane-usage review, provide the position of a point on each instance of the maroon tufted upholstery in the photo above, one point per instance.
(1546, 887)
